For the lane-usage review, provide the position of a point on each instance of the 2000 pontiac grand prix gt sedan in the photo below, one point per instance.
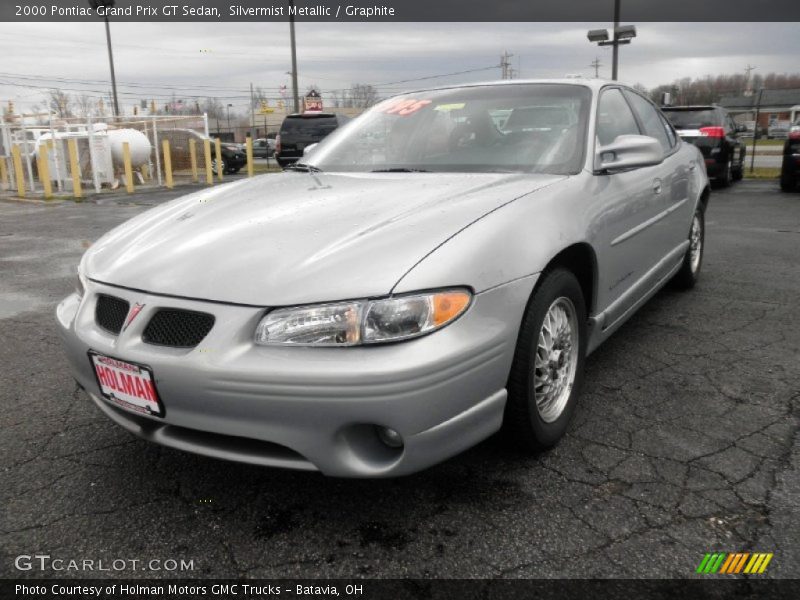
(436, 269)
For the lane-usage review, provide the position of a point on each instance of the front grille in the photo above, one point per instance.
(178, 328)
(110, 313)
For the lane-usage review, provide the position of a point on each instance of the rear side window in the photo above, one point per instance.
(673, 137)
(648, 115)
(614, 117)
(314, 126)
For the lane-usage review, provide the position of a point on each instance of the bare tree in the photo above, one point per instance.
(85, 106)
(59, 102)
(360, 95)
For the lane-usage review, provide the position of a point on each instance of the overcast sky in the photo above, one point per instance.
(222, 59)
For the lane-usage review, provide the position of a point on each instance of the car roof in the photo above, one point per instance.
(687, 108)
(595, 84)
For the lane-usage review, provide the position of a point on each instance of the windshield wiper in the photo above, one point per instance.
(400, 170)
(306, 168)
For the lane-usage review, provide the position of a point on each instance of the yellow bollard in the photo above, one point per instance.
(193, 158)
(44, 171)
(74, 168)
(19, 174)
(209, 172)
(167, 163)
(219, 158)
(126, 159)
(4, 174)
(249, 146)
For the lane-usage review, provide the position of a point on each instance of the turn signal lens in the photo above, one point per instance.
(448, 305)
(362, 322)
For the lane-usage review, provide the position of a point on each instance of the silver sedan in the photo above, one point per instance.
(435, 270)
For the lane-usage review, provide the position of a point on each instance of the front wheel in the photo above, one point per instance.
(547, 371)
(214, 166)
(689, 273)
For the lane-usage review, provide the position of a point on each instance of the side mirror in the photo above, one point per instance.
(741, 128)
(629, 152)
(309, 149)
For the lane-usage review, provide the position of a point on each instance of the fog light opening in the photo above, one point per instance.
(389, 437)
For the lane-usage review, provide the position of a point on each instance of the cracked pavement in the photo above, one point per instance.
(685, 441)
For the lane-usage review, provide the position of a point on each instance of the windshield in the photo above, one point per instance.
(692, 119)
(504, 128)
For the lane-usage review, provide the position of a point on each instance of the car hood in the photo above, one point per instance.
(297, 238)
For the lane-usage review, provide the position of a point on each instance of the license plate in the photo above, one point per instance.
(127, 385)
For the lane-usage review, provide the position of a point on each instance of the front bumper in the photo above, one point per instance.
(310, 408)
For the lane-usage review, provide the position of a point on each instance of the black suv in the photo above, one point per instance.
(715, 133)
(301, 130)
(790, 170)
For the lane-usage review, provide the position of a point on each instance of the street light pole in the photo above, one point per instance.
(294, 57)
(619, 35)
(615, 47)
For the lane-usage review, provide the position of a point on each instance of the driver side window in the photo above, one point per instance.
(614, 117)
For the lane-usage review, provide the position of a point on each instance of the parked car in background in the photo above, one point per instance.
(263, 147)
(779, 130)
(718, 137)
(790, 168)
(301, 130)
(233, 158)
(436, 270)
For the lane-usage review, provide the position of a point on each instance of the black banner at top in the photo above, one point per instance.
(399, 10)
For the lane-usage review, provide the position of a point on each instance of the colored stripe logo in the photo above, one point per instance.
(734, 563)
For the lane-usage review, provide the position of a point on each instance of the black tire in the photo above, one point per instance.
(737, 174)
(724, 178)
(688, 275)
(214, 166)
(523, 423)
(788, 182)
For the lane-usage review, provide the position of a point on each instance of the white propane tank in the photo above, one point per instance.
(139, 146)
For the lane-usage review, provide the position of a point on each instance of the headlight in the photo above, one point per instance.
(362, 321)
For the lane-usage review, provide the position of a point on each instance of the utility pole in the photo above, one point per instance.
(505, 66)
(596, 64)
(748, 89)
(252, 114)
(294, 57)
(95, 4)
(615, 45)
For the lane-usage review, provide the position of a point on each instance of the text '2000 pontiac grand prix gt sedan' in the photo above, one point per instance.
(435, 270)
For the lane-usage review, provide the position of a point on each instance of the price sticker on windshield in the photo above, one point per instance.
(404, 108)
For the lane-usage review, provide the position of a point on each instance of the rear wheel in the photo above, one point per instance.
(788, 181)
(724, 178)
(547, 371)
(738, 171)
(689, 273)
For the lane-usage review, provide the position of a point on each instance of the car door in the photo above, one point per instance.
(626, 203)
(672, 198)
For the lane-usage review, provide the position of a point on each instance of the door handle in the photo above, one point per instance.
(657, 186)
(692, 166)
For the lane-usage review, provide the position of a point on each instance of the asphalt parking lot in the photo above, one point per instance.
(685, 442)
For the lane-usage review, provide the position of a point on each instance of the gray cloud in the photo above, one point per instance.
(226, 57)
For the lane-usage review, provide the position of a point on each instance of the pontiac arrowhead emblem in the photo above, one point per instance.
(137, 308)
